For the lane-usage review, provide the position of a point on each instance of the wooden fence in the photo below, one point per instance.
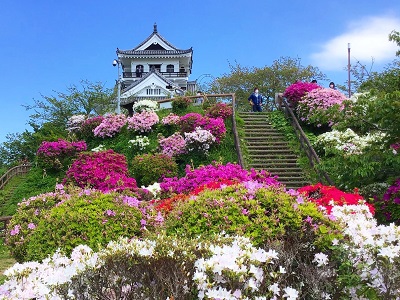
(15, 171)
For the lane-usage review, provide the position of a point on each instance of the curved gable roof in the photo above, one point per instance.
(138, 82)
(146, 47)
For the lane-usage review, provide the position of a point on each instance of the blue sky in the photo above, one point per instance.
(48, 45)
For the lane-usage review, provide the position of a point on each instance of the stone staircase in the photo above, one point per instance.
(268, 149)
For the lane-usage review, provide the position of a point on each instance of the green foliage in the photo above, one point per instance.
(93, 219)
(261, 215)
(150, 168)
(394, 36)
(180, 104)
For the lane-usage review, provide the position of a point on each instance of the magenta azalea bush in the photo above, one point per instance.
(388, 208)
(55, 155)
(214, 173)
(103, 170)
(295, 92)
(143, 122)
(173, 145)
(321, 106)
(110, 126)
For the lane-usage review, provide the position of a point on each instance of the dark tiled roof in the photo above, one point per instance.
(154, 52)
(134, 51)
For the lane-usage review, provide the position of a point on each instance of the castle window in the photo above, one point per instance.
(152, 92)
(170, 68)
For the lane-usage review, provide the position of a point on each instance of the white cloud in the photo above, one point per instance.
(368, 38)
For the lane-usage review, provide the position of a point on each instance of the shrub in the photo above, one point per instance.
(150, 168)
(103, 170)
(26, 219)
(388, 207)
(91, 218)
(219, 110)
(295, 92)
(188, 122)
(321, 107)
(199, 141)
(110, 126)
(260, 213)
(87, 127)
(191, 121)
(139, 144)
(143, 122)
(213, 173)
(328, 196)
(173, 145)
(144, 105)
(75, 123)
(57, 155)
(180, 104)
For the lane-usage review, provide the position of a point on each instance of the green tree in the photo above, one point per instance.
(394, 36)
(89, 98)
(269, 79)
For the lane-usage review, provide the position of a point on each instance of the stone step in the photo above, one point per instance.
(272, 160)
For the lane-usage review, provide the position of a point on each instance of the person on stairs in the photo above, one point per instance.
(255, 100)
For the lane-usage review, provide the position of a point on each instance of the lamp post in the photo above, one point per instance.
(117, 62)
(348, 68)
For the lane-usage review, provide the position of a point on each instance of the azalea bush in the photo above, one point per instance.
(57, 155)
(180, 104)
(143, 122)
(321, 106)
(370, 252)
(250, 209)
(86, 129)
(219, 110)
(26, 219)
(296, 91)
(151, 168)
(103, 170)
(110, 126)
(173, 145)
(213, 173)
(328, 196)
(87, 217)
(347, 142)
(75, 122)
(139, 144)
(189, 123)
(71, 216)
(199, 141)
(144, 105)
(388, 206)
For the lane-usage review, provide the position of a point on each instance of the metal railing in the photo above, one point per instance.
(141, 74)
(228, 99)
(15, 171)
(304, 142)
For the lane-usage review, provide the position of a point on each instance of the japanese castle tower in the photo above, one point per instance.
(155, 69)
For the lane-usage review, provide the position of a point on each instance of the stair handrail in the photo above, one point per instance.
(205, 97)
(14, 171)
(313, 158)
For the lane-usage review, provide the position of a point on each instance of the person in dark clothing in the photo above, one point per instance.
(255, 100)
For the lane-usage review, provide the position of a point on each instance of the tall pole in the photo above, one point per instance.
(117, 62)
(348, 68)
(119, 91)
